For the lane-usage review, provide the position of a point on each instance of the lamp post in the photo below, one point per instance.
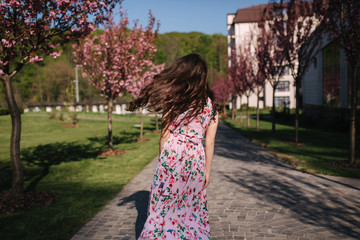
(76, 84)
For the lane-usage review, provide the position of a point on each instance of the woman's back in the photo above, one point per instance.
(196, 126)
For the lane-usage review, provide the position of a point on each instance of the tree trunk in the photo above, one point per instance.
(248, 112)
(297, 105)
(273, 111)
(258, 112)
(110, 135)
(224, 108)
(17, 168)
(156, 122)
(141, 124)
(233, 108)
(353, 97)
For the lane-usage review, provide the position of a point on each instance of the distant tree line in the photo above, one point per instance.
(213, 48)
(46, 81)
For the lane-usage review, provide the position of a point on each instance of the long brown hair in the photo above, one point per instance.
(182, 86)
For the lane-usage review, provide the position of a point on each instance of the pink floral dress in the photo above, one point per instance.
(178, 206)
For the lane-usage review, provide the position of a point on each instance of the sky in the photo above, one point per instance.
(206, 16)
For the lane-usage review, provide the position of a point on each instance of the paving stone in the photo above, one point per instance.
(252, 195)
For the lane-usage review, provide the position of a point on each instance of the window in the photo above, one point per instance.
(286, 71)
(282, 101)
(331, 75)
(283, 86)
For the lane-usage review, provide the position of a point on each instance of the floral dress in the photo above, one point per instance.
(177, 204)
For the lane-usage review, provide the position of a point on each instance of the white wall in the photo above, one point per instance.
(312, 82)
(241, 33)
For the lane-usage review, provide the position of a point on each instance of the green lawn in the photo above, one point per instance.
(65, 162)
(320, 153)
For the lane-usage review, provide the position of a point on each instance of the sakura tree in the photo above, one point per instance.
(293, 25)
(221, 89)
(143, 80)
(247, 73)
(254, 69)
(342, 22)
(242, 73)
(237, 86)
(113, 60)
(31, 29)
(271, 61)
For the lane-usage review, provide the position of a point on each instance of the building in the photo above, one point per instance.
(239, 26)
(325, 85)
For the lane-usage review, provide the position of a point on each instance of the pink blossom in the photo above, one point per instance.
(118, 58)
(4, 63)
(55, 54)
(35, 59)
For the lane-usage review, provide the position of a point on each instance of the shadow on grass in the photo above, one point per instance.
(51, 154)
(77, 204)
(319, 145)
(118, 138)
(5, 178)
(141, 199)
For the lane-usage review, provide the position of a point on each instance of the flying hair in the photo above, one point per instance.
(182, 86)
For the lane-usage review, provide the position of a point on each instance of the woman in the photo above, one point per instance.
(177, 204)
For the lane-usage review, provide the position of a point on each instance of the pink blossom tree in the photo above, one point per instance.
(237, 88)
(141, 81)
(31, 29)
(271, 61)
(342, 22)
(241, 75)
(222, 90)
(293, 25)
(254, 69)
(247, 73)
(113, 60)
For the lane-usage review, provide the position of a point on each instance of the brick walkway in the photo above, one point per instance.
(252, 195)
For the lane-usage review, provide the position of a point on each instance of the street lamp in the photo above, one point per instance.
(76, 84)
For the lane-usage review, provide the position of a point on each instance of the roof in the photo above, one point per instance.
(250, 14)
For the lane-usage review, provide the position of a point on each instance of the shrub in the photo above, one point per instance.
(4, 110)
(73, 117)
(61, 117)
(21, 109)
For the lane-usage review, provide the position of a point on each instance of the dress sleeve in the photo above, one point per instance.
(213, 113)
(212, 110)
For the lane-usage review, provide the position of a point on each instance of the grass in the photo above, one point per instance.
(65, 162)
(321, 152)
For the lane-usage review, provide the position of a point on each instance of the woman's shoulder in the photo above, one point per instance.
(209, 102)
(211, 108)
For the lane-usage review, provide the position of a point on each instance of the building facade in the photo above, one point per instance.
(239, 26)
(325, 85)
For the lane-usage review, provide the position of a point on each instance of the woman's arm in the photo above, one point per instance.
(209, 147)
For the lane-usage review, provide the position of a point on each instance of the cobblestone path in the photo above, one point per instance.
(252, 195)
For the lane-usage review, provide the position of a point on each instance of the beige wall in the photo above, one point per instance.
(238, 34)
